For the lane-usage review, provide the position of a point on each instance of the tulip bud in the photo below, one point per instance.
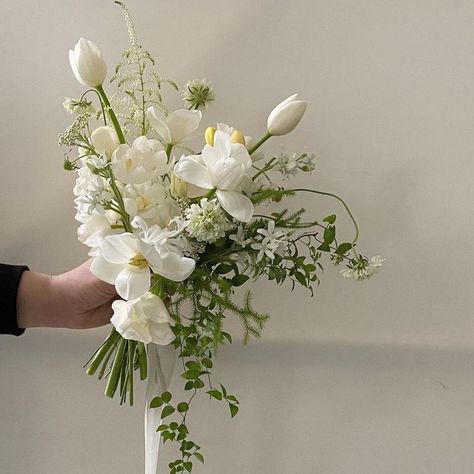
(105, 141)
(237, 137)
(209, 135)
(178, 187)
(286, 116)
(87, 63)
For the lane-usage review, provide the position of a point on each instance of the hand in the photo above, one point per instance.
(75, 299)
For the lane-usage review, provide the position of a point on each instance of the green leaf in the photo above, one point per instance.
(233, 409)
(207, 363)
(166, 397)
(343, 248)
(329, 235)
(182, 407)
(223, 268)
(189, 385)
(188, 466)
(191, 374)
(239, 280)
(199, 456)
(215, 394)
(324, 248)
(162, 428)
(330, 219)
(156, 402)
(192, 364)
(167, 411)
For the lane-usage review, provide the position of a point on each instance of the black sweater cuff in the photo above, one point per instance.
(10, 276)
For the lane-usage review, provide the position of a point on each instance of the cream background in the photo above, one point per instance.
(371, 378)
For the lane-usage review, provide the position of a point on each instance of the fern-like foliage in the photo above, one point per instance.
(140, 86)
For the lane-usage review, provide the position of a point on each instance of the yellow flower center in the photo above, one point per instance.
(138, 260)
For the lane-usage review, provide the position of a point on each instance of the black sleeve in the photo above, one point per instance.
(10, 276)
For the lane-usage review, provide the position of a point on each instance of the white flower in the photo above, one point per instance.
(143, 199)
(174, 128)
(197, 93)
(77, 107)
(222, 167)
(272, 242)
(140, 162)
(95, 228)
(105, 140)
(90, 189)
(286, 116)
(363, 269)
(87, 63)
(145, 319)
(290, 164)
(239, 237)
(206, 221)
(125, 261)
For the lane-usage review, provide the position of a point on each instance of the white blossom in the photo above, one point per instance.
(87, 63)
(197, 93)
(272, 242)
(239, 237)
(286, 116)
(145, 319)
(363, 269)
(207, 221)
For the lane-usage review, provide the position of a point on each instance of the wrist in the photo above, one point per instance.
(34, 301)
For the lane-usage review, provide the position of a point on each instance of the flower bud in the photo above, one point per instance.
(286, 116)
(237, 137)
(209, 135)
(105, 141)
(87, 63)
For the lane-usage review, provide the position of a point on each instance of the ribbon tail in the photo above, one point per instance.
(161, 362)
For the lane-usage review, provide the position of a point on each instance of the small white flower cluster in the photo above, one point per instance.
(290, 164)
(197, 93)
(363, 269)
(206, 221)
(273, 242)
(78, 106)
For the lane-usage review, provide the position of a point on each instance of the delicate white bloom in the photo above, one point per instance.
(197, 93)
(207, 221)
(125, 260)
(96, 227)
(363, 269)
(104, 140)
(90, 190)
(140, 162)
(143, 199)
(272, 242)
(290, 164)
(145, 319)
(176, 127)
(239, 237)
(222, 167)
(87, 63)
(78, 107)
(286, 116)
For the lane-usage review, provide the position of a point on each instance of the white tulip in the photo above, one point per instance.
(286, 116)
(145, 319)
(105, 141)
(174, 128)
(87, 63)
(222, 167)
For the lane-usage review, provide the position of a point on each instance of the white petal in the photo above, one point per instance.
(105, 270)
(227, 174)
(158, 122)
(191, 171)
(222, 143)
(161, 333)
(173, 266)
(181, 123)
(236, 204)
(120, 248)
(240, 153)
(131, 283)
(211, 155)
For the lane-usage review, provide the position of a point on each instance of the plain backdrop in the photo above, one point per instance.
(364, 378)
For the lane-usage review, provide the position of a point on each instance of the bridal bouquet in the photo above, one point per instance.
(176, 228)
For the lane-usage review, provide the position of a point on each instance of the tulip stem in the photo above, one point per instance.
(340, 200)
(116, 369)
(111, 113)
(260, 143)
(104, 115)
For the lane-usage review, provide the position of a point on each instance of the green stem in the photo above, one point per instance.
(335, 197)
(142, 361)
(131, 357)
(260, 143)
(103, 351)
(266, 168)
(169, 147)
(111, 113)
(116, 369)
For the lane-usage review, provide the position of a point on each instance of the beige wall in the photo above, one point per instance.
(381, 373)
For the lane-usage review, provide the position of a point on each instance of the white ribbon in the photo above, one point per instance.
(161, 362)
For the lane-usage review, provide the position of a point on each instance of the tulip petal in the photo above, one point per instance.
(120, 248)
(211, 155)
(158, 122)
(131, 283)
(181, 123)
(222, 143)
(236, 204)
(105, 270)
(227, 174)
(189, 170)
(173, 266)
(240, 153)
(161, 333)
